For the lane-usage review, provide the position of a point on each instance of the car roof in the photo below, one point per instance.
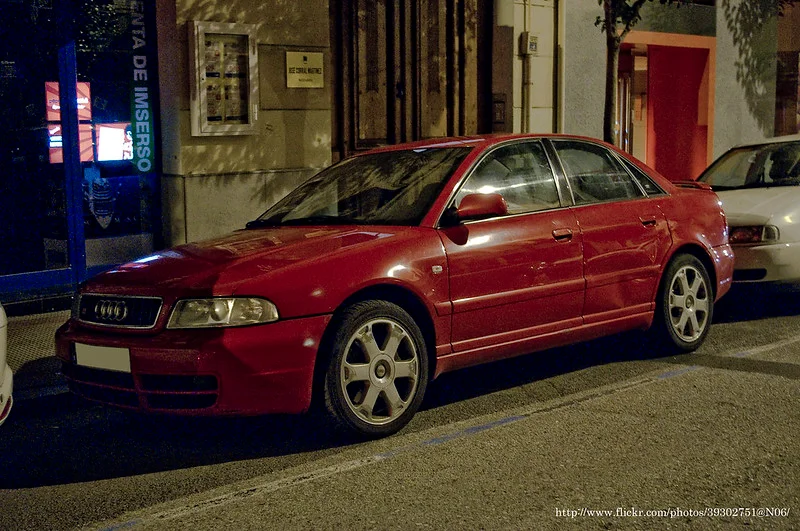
(475, 141)
(774, 140)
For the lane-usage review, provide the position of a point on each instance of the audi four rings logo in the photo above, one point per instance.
(111, 310)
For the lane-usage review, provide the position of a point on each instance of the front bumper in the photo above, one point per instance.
(777, 262)
(228, 371)
(6, 390)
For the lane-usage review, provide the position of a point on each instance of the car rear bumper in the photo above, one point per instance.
(724, 266)
(777, 262)
(232, 371)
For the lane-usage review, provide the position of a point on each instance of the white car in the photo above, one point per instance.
(6, 377)
(759, 186)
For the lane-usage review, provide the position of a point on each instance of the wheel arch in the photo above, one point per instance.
(698, 252)
(402, 297)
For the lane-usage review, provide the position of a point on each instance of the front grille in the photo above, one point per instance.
(181, 401)
(122, 380)
(152, 391)
(104, 394)
(119, 311)
(178, 383)
(749, 274)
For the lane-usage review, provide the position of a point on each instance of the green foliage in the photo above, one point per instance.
(620, 16)
(784, 4)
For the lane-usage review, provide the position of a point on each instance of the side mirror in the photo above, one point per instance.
(480, 206)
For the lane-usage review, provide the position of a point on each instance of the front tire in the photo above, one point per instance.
(685, 304)
(378, 369)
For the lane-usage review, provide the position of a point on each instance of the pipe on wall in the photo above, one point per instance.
(526, 72)
(503, 57)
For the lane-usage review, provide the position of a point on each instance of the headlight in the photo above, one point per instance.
(222, 311)
(76, 301)
(754, 234)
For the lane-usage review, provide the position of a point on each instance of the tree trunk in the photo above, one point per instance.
(612, 73)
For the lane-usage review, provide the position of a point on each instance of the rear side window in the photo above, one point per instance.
(649, 185)
(594, 173)
(519, 172)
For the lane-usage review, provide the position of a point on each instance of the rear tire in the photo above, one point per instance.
(377, 371)
(685, 304)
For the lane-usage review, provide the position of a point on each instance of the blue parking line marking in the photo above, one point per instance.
(472, 430)
(280, 484)
(124, 525)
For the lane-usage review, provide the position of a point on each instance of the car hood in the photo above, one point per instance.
(760, 205)
(220, 265)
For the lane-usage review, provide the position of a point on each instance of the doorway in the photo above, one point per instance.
(408, 70)
(666, 101)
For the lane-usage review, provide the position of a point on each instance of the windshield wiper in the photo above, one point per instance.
(265, 222)
(721, 188)
(787, 181)
(321, 220)
(310, 220)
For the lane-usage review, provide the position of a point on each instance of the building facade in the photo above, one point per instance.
(133, 125)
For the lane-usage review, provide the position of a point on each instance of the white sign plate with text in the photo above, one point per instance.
(305, 70)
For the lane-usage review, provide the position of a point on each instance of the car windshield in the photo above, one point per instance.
(388, 188)
(756, 167)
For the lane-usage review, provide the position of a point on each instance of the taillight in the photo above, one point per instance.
(754, 234)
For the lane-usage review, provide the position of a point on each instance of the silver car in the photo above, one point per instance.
(759, 186)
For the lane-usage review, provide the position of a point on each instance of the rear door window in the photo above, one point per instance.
(594, 174)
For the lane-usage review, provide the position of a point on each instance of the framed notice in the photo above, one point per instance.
(224, 92)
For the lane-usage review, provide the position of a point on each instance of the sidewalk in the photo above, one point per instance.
(31, 355)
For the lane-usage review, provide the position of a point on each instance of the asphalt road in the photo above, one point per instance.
(603, 435)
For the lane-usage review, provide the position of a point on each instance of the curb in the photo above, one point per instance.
(39, 379)
(32, 393)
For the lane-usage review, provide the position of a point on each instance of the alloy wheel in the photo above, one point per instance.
(688, 303)
(379, 373)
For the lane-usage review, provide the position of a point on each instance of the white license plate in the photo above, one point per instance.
(110, 358)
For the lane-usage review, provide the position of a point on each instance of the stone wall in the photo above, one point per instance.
(214, 184)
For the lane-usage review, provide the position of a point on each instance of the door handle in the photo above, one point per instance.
(562, 235)
(648, 221)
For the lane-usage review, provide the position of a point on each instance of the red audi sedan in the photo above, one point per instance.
(394, 266)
